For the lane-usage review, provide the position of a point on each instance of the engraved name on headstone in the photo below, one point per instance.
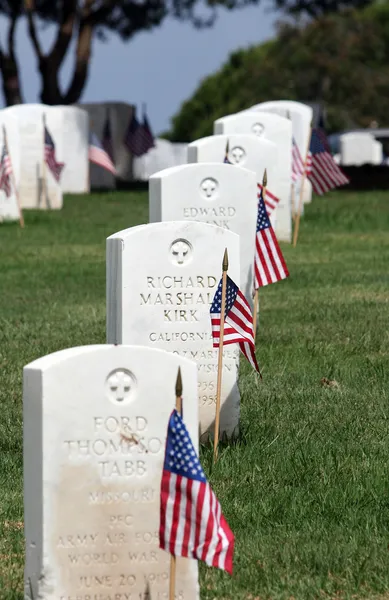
(213, 193)
(161, 280)
(95, 423)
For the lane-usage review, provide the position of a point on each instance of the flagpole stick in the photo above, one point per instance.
(21, 218)
(256, 299)
(293, 201)
(255, 312)
(173, 563)
(300, 207)
(220, 361)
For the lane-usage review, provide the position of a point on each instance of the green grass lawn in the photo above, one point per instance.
(306, 487)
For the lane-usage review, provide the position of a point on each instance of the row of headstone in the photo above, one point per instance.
(93, 470)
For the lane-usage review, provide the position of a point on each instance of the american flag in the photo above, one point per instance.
(107, 141)
(5, 171)
(322, 170)
(238, 321)
(269, 263)
(139, 138)
(271, 201)
(54, 166)
(192, 523)
(98, 155)
(297, 162)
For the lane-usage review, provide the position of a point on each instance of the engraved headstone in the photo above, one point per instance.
(278, 130)
(161, 280)
(95, 422)
(38, 188)
(301, 116)
(213, 193)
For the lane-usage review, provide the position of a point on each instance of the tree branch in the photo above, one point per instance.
(65, 32)
(11, 35)
(29, 6)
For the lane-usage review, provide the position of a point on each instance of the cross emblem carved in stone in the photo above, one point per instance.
(119, 384)
(180, 251)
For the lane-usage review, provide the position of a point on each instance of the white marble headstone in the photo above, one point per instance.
(359, 148)
(71, 133)
(245, 151)
(32, 167)
(272, 128)
(9, 210)
(161, 280)
(95, 423)
(301, 116)
(215, 193)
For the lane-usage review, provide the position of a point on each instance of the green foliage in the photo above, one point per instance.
(305, 487)
(341, 60)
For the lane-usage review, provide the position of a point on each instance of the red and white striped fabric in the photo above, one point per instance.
(238, 321)
(322, 170)
(271, 201)
(99, 156)
(297, 162)
(191, 519)
(269, 263)
(5, 172)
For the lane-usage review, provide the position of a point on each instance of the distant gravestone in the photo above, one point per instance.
(95, 422)
(213, 193)
(37, 187)
(272, 128)
(301, 116)
(71, 133)
(9, 210)
(164, 155)
(119, 115)
(244, 151)
(161, 280)
(359, 148)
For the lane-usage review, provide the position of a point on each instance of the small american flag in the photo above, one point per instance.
(5, 172)
(98, 155)
(139, 138)
(297, 162)
(192, 523)
(238, 321)
(54, 166)
(271, 201)
(322, 170)
(269, 263)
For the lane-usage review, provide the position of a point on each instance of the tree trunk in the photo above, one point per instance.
(11, 81)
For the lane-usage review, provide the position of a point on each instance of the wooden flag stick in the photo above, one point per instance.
(220, 361)
(173, 563)
(255, 308)
(293, 201)
(300, 206)
(21, 218)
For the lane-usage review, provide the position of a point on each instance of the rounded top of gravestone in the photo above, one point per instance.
(179, 230)
(251, 122)
(291, 105)
(50, 361)
(195, 168)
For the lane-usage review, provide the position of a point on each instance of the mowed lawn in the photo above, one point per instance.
(305, 488)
